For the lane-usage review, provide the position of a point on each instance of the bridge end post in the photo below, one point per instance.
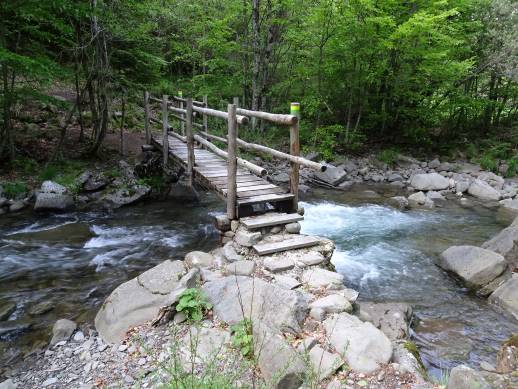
(232, 163)
(190, 141)
(205, 117)
(182, 123)
(295, 151)
(146, 118)
(165, 129)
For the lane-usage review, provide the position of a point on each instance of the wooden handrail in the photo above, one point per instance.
(260, 171)
(278, 154)
(220, 114)
(287, 120)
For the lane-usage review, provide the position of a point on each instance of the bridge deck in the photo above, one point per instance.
(210, 171)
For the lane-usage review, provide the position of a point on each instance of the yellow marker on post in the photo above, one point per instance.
(295, 109)
(180, 93)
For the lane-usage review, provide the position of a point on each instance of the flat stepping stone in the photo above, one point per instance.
(270, 220)
(298, 242)
(276, 265)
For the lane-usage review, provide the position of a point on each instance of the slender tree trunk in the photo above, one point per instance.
(77, 70)
(123, 113)
(7, 145)
(256, 57)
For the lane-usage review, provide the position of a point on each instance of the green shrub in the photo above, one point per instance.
(157, 182)
(48, 173)
(388, 156)
(326, 140)
(193, 303)
(27, 166)
(14, 189)
(242, 337)
(488, 162)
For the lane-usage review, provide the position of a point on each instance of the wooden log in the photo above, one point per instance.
(260, 171)
(273, 152)
(220, 114)
(190, 142)
(182, 123)
(232, 163)
(146, 117)
(286, 120)
(165, 129)
(295, 151)
(181, 99)
(178, 136)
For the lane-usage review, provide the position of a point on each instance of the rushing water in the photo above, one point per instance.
(65, 265)
(389, 255)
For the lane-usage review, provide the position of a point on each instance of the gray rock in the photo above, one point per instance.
(474, 265)
(17, 205)
(241, 268)
(324, 363)
(293, 228)
(138, 300)
(429, 181)
(333, 303)
(246, 238)
(281, 366)
(434, 164)
(278, 264)
(205, 343)
(230, 253)
(433, 195)
(198, 259)
(321, 278)
(332, 176)
(505, 243)
(288, 282)
(261, 301)
(8, 384)
(222, 222)
(62, 331)
(506, 295)
(53, 187)
(391, 318)
(50, 381)
(350, 294)
(464, 377)
(509, 208)
(364, 347)
(312, 258)
(281, 178)
(492, 179)
(420, 199)
(399, 202)
(462, 186)
(46, 201)
(395, 177)
(126, 196)
(483, 191)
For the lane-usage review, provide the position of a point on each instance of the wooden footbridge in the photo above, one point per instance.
(242, 184)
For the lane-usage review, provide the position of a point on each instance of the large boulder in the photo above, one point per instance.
(508, 209)
(53, 197)
(320, 278)
(492, 179)
(126, 196)
(429, 181)
(474, 265)
(235, 296)
(364, 346)
(505, 243)
(199, 259)
(464, 377)
(138, 300)
(333, 176)
(281, 365)
(506, 295)
(483, 191)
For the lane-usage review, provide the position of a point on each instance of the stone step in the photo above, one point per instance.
(297, 242)
(269, 220)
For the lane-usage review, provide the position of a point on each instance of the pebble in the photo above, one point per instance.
(128, 379)
(102, 347)
(122, 348)
(142, 361)
(79, 336)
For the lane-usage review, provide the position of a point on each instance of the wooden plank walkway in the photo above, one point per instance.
(210, 171)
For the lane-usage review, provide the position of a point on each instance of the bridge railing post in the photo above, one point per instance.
(295, 150)
(165, 129)
(182, 124)
(205, 117)
(190, 141)
(232, 163)
(146, 117)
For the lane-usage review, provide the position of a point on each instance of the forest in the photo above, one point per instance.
(417, 75)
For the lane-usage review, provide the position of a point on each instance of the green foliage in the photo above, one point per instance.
(326, 139)
(157, 183)
(12, 190)
(388, 156)
(242, 337)
(193, 303)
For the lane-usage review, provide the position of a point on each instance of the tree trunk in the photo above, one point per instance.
(7, 145)
(256, 58)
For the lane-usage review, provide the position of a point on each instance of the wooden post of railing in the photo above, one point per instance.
(165, 129)
(232, 162)
(182, 124)
(190, 141)
(146, 117)
(295, 150)
(205, 117)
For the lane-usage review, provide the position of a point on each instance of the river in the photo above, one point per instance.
(65, 265)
